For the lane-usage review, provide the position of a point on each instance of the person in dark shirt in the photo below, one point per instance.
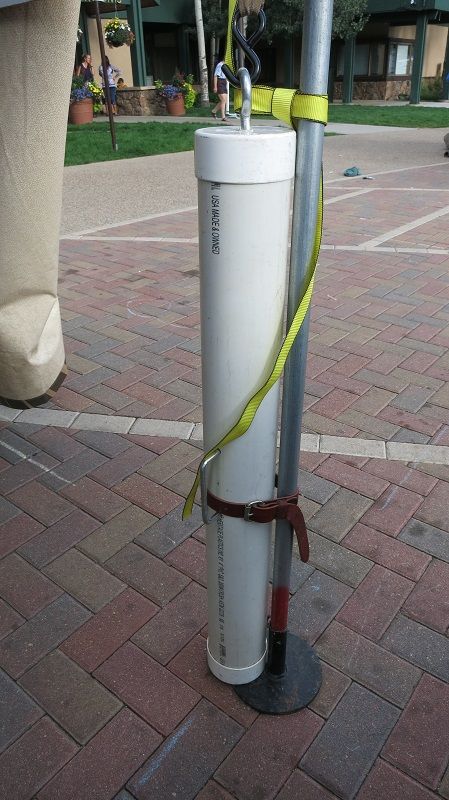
(85, 69)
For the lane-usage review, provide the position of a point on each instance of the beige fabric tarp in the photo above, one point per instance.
(37, 47)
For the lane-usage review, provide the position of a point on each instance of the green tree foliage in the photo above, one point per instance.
(284, 17)
(350, 17)
(215, 17)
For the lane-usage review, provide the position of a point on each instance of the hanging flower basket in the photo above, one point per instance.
(117, 33)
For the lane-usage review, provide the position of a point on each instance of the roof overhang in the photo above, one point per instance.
(108, 6)
(406, 11)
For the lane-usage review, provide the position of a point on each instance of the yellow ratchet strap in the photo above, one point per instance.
(287, 105)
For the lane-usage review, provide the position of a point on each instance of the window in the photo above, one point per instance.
(377, 59)
(400, 59)
(361, 59)
(369, 59)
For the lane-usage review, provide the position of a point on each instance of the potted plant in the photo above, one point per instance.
(178, 95)
(81, 109)
(117, 33)
(186, 83)
(97, 96)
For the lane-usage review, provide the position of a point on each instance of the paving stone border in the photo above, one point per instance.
(368, 247)
(193, 431)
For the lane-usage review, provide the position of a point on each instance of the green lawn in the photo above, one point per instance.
(89, 143)
(400, 116)
(198, 111)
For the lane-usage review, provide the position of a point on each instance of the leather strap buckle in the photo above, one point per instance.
(248, 510)
(264, 511)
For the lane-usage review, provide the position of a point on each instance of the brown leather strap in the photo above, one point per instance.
(266, 511)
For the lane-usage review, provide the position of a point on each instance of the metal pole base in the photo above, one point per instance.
(284, 694)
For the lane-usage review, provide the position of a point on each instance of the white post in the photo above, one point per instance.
(244, 199)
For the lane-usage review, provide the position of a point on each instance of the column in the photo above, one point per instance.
(446, 69)
(31, 171)
(348, 69)
(138, 48)
(418, 58)
(84, 27)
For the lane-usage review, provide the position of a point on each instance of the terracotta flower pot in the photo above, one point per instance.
(81, 111)
(175, 107)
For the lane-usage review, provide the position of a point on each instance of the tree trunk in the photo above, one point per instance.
(202, 54)
(212, 53)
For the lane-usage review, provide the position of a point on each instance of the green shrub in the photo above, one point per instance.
(432, 89)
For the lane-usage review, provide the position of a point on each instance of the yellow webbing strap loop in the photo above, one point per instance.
(284, 104)
(253, 404)
(287, 105)
(229, 54)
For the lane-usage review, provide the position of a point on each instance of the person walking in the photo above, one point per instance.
(111, 72)
(221, 88)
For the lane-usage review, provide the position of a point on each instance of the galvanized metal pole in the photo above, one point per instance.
(316, 41)
(292, 675)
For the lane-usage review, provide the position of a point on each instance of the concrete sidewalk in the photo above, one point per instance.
(113, 191)
(331, 127)
(103, 587)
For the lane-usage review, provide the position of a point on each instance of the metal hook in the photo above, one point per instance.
(245, 112)
(203, 485)
(247, 47)
(262, 20)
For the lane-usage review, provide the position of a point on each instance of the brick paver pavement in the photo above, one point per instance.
(105, 688)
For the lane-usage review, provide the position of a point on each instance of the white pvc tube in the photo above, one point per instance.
(244, 199)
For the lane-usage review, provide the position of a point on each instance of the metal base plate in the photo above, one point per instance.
(295, 689)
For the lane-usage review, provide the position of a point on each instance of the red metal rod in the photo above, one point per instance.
(105, 77)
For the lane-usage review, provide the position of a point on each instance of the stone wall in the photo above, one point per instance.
(375, 90)
(136, 101)
(395, 90)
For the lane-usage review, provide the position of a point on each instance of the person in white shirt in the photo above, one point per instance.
(111, 71)
(220, 88)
